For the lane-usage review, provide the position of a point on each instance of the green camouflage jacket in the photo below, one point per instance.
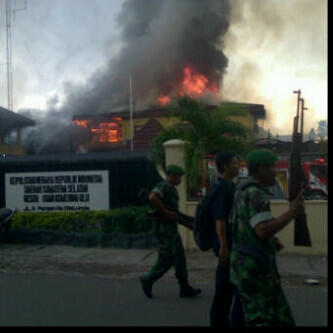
(168, 194)
(252, 261)
(251, 206)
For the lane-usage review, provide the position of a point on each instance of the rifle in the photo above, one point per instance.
(183, 219)
(297, 179)
(153, 214)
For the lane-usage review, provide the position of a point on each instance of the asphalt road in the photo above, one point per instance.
(62, 300)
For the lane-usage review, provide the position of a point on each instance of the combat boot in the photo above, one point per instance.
(187, 291)
(147, 285)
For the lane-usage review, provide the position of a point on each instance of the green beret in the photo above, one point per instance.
(261, 157)
(175, 170)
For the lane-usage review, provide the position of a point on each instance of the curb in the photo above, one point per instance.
(144, 240)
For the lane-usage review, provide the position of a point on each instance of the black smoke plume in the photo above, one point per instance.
(159, 38)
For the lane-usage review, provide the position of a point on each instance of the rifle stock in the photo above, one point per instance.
(301, 232)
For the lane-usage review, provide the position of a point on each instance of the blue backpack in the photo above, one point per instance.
(204, 226)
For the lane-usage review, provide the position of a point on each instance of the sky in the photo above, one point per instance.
(273, 47)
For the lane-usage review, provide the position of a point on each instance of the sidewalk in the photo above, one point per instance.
(131, 263)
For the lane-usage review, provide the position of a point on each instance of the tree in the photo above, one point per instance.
(206, 133)
(322, 130)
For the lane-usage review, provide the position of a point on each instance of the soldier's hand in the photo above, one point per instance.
(224, 255)
(278, 244)
(297, 206)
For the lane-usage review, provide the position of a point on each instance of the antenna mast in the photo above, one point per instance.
(9, 12)
(9, 54)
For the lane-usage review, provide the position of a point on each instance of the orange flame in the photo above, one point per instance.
(82, 123)
(103, 132)
(194, 85)
(106, 132)
(163, 100)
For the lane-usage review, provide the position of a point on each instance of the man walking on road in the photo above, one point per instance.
(252, 259)
(227, 166)
(164, 198)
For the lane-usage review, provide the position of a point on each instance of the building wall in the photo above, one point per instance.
(316, 210)
(247, 120)
(164, 121)
(12, 149)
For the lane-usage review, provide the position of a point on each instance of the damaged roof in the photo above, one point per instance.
(10, 120)
(257, 110)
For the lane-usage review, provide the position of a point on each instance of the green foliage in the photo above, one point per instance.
(127, 220)
(205, 132)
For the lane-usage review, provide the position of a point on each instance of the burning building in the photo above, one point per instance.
(197, 73)
(102, 129)
(170, 49)
(113, 129)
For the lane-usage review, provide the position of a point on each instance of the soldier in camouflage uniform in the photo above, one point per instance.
(164, 198)
(252, 260)
(6, 215)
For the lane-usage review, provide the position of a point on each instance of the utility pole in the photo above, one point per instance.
(9, 54)
(9, 12)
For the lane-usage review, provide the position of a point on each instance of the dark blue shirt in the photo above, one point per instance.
(221, 208)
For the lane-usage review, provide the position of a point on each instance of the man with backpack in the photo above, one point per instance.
(252, 260)
(164, 198)
(221, 201)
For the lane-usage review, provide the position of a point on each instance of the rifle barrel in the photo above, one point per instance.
(301, 231)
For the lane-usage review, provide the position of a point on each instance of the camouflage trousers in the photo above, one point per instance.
(263, 300)
(171, 253)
